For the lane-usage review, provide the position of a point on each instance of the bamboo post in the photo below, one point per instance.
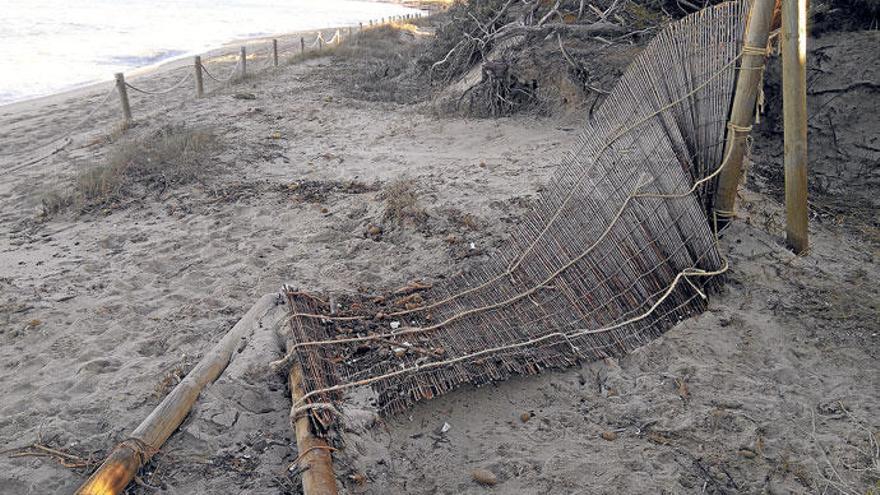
(123, 97)
(200, 84)
(128, 457)
(275, 52)
(302, 45)
(313, 452)
(243, 62)
(794, 113)
(743, 109)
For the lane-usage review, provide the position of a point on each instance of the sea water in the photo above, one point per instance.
(47, 46)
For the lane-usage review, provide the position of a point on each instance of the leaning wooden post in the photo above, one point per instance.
(275, 52)
(243, 62)
(743, 109)
(200, 84)
(794, 113)
(314, 453)
(123, 97)
(128, 457)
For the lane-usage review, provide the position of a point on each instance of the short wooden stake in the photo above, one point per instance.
(123, 97)
(275, 53)
(200, 85)
(128, 457)
(742, 111)
(320, 42)
(794, 112)
(302, 45)
(243, 62)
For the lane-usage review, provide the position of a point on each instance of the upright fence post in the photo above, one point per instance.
(243, 62)
(200, 85)
(349, 31)
(123, 97)
(302, 45)
(794, 113)
(275, 52)
(742, 111)
(360, 26)
(320, 42)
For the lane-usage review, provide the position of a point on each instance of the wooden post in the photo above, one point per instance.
(794, 112)
(200, 85)
(123, 97)
(743, 109)
(275, 52)
(360, 26)
(313, 452)
(320, 42)
(302, 45)
(128, 457)
(243, 62)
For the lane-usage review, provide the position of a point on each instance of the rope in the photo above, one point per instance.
(223, 81)
(688, 272)
(164, 91)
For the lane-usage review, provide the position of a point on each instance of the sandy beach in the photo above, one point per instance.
(103, 310)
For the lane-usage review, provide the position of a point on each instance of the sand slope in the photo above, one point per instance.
(99, 311)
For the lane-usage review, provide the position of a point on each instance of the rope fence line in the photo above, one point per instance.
(272, 55)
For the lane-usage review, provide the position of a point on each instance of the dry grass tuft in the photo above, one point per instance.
(384, 61)
(402, 204)
(135, 167)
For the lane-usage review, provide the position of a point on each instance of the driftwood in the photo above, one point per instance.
(129, 456)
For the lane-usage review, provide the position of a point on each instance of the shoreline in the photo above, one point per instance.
(174, 63)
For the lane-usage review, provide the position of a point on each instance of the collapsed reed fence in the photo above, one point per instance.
(197, 73)
(620, 247)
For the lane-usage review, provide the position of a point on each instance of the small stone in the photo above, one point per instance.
(609, 435)
(484, 477)
(244, 96)
(525, 416)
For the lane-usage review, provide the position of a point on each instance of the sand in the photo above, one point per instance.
(772, 390)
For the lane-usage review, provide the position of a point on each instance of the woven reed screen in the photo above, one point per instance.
(617, 251)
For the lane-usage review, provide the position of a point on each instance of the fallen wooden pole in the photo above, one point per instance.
(313, 452)
(129, 456)
(794, 113)
(742, 111)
